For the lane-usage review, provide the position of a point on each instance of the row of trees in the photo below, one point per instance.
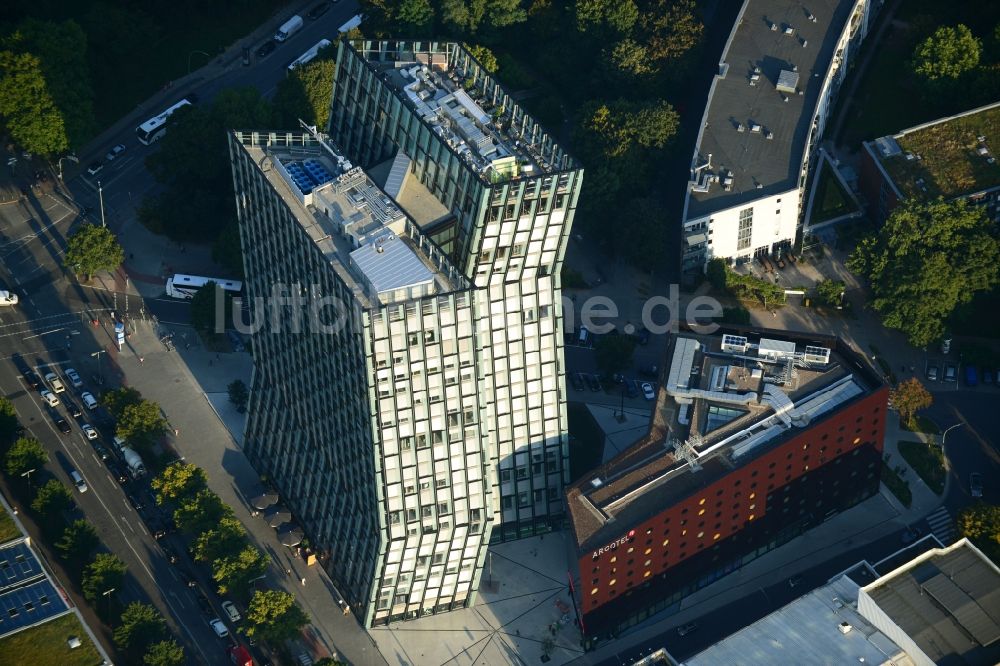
(138, 421)
(141, 632)
(220, 540)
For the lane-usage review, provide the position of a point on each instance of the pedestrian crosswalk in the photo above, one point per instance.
(942, 526)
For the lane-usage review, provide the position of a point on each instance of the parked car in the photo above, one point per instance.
(595, 383)
(950, 372)
(932, 373)
(203, 603)
(116, 470)
(686, 629)
(971, 375)
(647, 391)
(50, 398)
(987, 376)
(577, 380)
(976, 484)
(115, 152)
(794, 581)
(266, 49)
(187, 578)
(236, 340)
(101, 451)
(318, 11)
(218, 627)
(631, 388)
(89, 431)
(63, 425)
(95, 168)
(52, 379)
(89, 401)
(231, 611)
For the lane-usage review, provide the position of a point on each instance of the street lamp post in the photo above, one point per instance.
(98, 355)
(27, 475)
(944, 436)
(66, 157)
(100, 194)
(107, 594)
(191, 54)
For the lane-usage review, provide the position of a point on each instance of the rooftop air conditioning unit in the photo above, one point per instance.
(845, 627)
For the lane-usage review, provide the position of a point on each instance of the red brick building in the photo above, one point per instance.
(753, 441)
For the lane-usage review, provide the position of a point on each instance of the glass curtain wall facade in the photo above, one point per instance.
(507, 232)
(372, 432)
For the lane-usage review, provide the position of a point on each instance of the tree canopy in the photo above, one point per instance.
(26, 105)
(981, 524)
(305, 93)
(928, 258)
(829, 292)
(614, 353)
(909, 397)
(164, 653)
(92, 249)
(116, 400)
(78, 541)
(205, 306)
(274, 616)
(25, 454)
(141, 424)
(201, 512)
(224, 540)
(8, 420)
(234, 574)
(140, 626)
(52, 498)
(104, 573)
(947, 54)
(179, 481)
(238, 395)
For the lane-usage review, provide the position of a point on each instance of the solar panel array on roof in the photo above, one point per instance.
(18, 564)
(308, 175)
(28, 605)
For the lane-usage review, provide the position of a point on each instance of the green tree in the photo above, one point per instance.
(947, 54)
(78, 541)
(608, 130)
(274, 616)
(908, 398)
(140, 626)
(51, 500)
(179, 481)
(485, 56)
(305, 94)
(829, 292)
(928, 258)
(226, 539)
(606, 17)
(25, 454)
(26, 105)
(614, 353)
(469, 16)
(716, 273)
(628, 58)
(981, 524)
(142, 424)
(164, 653)
(238, 395)
(8, 420)
(104, 573)
(92, 249)
(202, 512)
(62, 53)
(673, 27)
(205, 308)
(416, 15)
(234, 574)
(117, 400)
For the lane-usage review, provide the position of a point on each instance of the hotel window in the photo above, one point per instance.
(745, 229)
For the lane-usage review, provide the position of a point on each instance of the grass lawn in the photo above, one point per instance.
(8, 530)
(46, 644)
(922, 424)
(831, 198)
(586, 446)
(895, 483)
(927, 461)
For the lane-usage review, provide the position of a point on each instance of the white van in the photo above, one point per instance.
(89, 401)
(78, 481)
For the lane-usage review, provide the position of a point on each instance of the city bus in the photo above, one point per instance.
(154, 128)
(309, 55)
(186, 286)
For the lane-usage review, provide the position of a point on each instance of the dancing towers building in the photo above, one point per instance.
(482, 179)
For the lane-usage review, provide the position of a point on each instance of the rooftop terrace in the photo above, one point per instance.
(760, 108)
(726, 399)
(466, 108)
(371, 244)
(950, 157)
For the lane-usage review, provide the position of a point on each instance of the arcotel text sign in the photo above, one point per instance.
(614, 544)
